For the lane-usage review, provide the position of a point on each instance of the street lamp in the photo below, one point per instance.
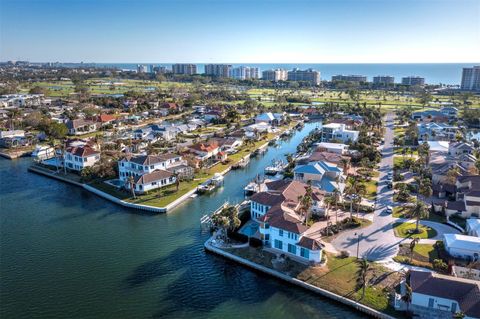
(358, 242)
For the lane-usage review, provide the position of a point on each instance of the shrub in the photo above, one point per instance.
(238, 237)
(344, 254)
(440, 265)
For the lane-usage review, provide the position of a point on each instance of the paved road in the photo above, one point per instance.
(377, 241)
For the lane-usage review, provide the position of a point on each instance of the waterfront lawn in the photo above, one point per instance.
(404, 230)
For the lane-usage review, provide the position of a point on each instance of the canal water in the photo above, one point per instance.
(66, 253)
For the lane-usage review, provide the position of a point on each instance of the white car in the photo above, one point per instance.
(389, 209)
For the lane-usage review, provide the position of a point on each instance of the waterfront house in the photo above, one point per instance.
(270, 118)
(337, 148)
(338, 132)
(325, 176)
(205, 151)
(436, 131)
(152, 171)
(76, 158)
(81, 126)
(473, 227)
(212, 115)
(281, 226)
(228, 144)
(439, 296)
(462, 246)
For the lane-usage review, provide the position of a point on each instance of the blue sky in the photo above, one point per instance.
(240, 31)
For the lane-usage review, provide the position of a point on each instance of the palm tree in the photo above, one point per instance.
(407, 297)
(306, 202)
(362, 273)
(419, 211)
(177, 182)
(131, 183)
(412, 247)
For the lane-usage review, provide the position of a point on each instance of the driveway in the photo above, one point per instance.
(377, 241)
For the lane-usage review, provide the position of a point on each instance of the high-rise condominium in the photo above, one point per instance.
(383, 79)
(471, 79)
(413, 80)
(183, 68)
(218, 70)
(244, 73)
(274, 75)
(349, 78)
(309, 75)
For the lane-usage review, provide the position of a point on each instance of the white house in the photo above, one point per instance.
(462, 246)
(332, 147)
(149, 171)
(77, 158)
(338, 131)
(473, 227)
(81, 126)
(459, 148)
(205, 151)
(440, 296)
(322, 175)
(281, 227)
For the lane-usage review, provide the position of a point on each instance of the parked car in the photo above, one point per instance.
(389, 209)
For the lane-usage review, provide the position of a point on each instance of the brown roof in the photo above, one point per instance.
(205, 147)
(326, 157)
(73, 124)
(268, 198)
(81, 151)
(104, 118)
(153, 176)
(465, 292)
(278, 218)
(310, 243)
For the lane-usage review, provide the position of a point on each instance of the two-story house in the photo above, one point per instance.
(339, 132)
(77, 158)
(326, 176)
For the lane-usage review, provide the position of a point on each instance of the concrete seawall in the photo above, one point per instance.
(348, 302)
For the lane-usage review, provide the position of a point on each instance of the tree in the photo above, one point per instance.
(226, 219)
(306, 202)
(177, 182)
(412, 247)
(418, 212)
(131, 183)
(362, 273)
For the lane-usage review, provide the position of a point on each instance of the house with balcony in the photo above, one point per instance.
(81, 126)
(150, 172)
(207, 151)
(338, 132)
(76, 158)
(281, 226)
(433, 131)
(439, 296)
(326, 176)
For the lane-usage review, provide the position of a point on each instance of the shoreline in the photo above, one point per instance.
(278, 275)
(172, 205)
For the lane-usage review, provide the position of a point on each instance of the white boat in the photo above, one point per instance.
(217, 179)
(251, 188)
(43, 152)
(209, 185)
(276, 167)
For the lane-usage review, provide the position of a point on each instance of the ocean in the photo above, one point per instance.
(434, 73)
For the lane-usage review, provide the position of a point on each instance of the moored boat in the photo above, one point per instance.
(43, 152)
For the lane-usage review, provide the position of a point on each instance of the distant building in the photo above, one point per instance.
(184, 68)
(244, 73)
(309, 75)
(275, 75)
(218, 70)
(142, 68)
(471, 79)
(161, 70)
(413, 80)
(383, 79)
(349, 78)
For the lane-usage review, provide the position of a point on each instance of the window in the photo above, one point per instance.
(292, 249)
(280, 232)
(267, 226)
(430, 302)
(454, 307)
(152, 167)
(305, 253)
(278, 244)
(267, 236)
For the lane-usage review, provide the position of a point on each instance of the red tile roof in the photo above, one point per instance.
(104, 118)
(81, 151)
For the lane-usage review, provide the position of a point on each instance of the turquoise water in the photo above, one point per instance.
(434, 73)
(66, 253)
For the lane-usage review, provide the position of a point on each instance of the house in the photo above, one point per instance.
(337, 148)
(430, 115)
(212, 115)
(228, 144)
(440, 296)
(281, 226)
(473, 227)
(80, 126)
(76, 158)
(270, 118)
(206, 151)
(338, 132)
(462, 246)
(450, 112)
(152, 171)
(458, 148)
(322, 175)
(105, 119)
(438, 146)
(466, 192)
(12, 133)
(258, 128)
(436, 131)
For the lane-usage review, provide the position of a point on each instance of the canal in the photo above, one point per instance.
(66, 253)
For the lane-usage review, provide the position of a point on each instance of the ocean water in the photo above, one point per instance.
(434, 73)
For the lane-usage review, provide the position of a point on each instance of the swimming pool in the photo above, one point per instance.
(249, 229)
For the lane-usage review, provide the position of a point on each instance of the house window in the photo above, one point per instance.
(430, 302)
(267, 236)
(305, 253)
(292, 249)
(280, 232)
(278, 244)
(267, 226)
(151, 167)
(454, 307)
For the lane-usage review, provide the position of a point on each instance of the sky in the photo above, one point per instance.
(240, 31)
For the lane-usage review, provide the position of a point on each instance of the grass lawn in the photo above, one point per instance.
(403, 230)
(371, 189)
(423, 255)
(399, 150)
(405, 212)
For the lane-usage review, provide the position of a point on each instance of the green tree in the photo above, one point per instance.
(306, 202)
(362, 274)
(419, 211)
